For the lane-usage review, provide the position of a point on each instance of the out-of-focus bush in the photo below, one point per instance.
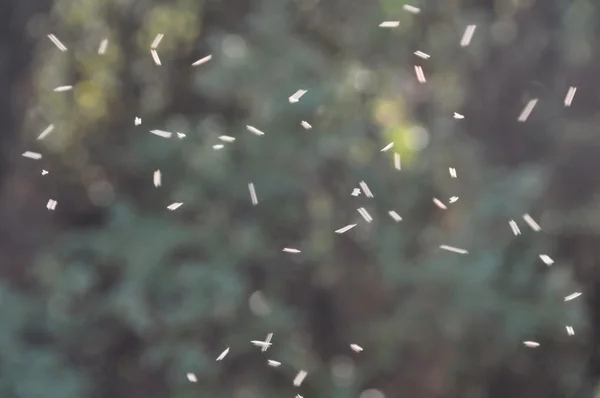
(129, 305)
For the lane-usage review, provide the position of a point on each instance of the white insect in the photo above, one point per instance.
(365, 189)
(254, 130)
(531, 222)
(411, 9)
(345, 229)
(572, 296)
(156, 41)
(51, 204)
(202, 60)
(273, 363)
(174, 206)
(453, 249)
(365, 214)
(452, 172)
(356, 347)
(192, 377)
(32, 155)
(162, 133)
(296, 96)
(458, 116)
(264, 345)
(253, 194)
(261, 344)
(268, 340)
(155, 57)
(227, 138)
(103, 46)
(44, 172)
(57, 43)
(531, 343)
(181, 135)
(570, 330)
(218, 146)
(467, 35)
(46, 131)
(527, 110)
(421, 54)
(570, 95)
(355, 192)
(137, 121)
(290, 250)
(453, 199)
(62, 88)
(397, 164)
(395, 216)
(439, 204)
(306, 125)
(515, 228)
(223, 354)
(157, 178)
(546, 259)
(300, 378)
(389, 24)
(387, 147)
(420, 74)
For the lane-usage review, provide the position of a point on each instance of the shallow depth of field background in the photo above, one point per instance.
(114, 296)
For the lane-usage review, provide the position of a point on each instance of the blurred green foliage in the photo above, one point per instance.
(127, 307)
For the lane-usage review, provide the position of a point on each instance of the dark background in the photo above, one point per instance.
(113, 295)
